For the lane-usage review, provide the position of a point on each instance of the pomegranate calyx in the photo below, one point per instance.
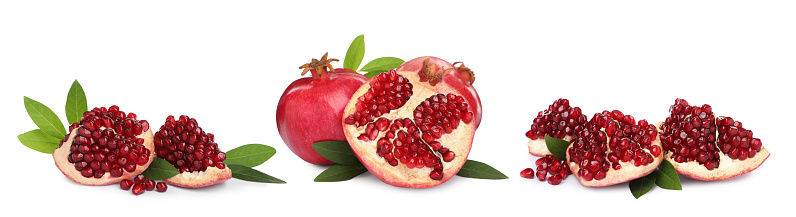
(430, 73)
(318, 68)
(465, 73)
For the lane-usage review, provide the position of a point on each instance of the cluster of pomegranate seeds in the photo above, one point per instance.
(140, 184)
(690, 134)
(440, 114)
(548, 168)
(735, 141)
(107, 142)
(411, 142)
(185, 145)
(629, 141)
(557, 121)
(387, 92)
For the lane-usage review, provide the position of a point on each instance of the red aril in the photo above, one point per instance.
(192, 151)
(559, 121)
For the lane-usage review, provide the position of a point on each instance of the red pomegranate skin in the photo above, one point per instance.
(453, 78)
(311, 110)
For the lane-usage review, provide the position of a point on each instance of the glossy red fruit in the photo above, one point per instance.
(457, 76)
(310, 110)
(105, 147)
(410, 128)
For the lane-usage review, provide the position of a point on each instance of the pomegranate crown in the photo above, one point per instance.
(465, 73)
(319, 67)
(431, 74)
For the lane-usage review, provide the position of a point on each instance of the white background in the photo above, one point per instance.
(226, 64)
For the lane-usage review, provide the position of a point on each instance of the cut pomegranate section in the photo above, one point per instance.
(559, 121)
(105, 147)
(410, 129)
(614, 148)
(705, 147)
(193, 152)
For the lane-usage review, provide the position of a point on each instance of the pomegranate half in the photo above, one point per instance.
(410, 128)
(105, 147)
(310, 110)
(705, 147)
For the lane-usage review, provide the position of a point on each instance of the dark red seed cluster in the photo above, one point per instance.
(107, 142)
(735, 141)
(387, 92)
(690, 134)
(548, 168)
(140, 184)
(595, 155)
(557, 121)
(185, 145)
(403, 143)
(440, 114)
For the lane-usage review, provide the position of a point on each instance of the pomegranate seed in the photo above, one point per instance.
(161, 187)
(527, 173)
(150, 184)
(139, 188)
(126, 184)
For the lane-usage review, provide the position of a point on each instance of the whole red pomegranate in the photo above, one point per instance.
(459, 77)
(311, 108)
(412, 128)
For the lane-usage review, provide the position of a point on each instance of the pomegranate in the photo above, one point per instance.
(310, 110)
(410, 128)
(559, 121)
(105, 147)
(193, 152)
(460, 78)
(705, 147)
(614, 148)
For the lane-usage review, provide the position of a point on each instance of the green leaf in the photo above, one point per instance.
(355, 54)
(39, 141)
(250, 155)
(76, 103)
(642, 185)
(337, 173)
(557, 146)
(248, 174)
(160, 169)
(667, 177)
(337, 151)
(478, 170)
(372, 74)
(45, 118)
(382, 64)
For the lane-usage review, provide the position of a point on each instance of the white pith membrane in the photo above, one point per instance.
(68, 169)
(727, 166)
(628, 171)
(196, 179)
(538, 147)
(458, 141)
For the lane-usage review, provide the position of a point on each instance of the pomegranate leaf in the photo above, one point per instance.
(248, 174)
(338, 172)
(250, 155)
(45, 118)
(667, 176)
(160, 169)
(355, 54)
(477, 170)
(557, 146)
(76, 103)
(337, 151)
(39, 141)
(372, 74)
(642, 185)
(382, 64)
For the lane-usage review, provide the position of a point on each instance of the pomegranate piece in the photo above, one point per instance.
(614, 148)
(559, 121)
(310, 110)
(193, 152)
(410, 128)
(705, 147)
(105, 147)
